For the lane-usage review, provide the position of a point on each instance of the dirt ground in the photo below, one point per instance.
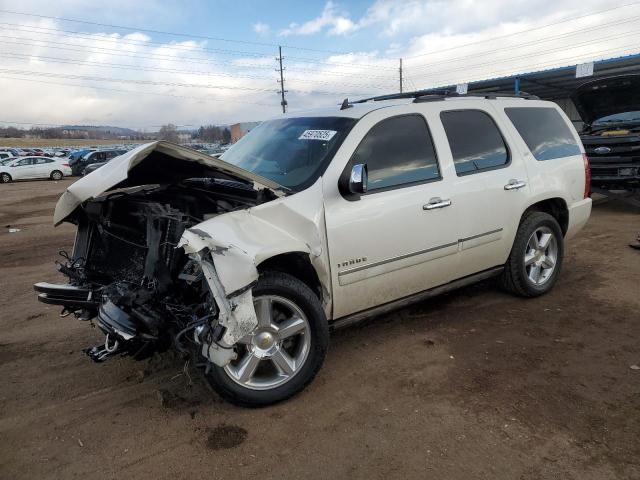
(476, 384)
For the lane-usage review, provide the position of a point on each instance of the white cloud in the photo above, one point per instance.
(261, 28)
(441, 43)
(331, 19)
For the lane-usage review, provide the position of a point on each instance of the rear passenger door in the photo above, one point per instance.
(42, 167)
(491, 184)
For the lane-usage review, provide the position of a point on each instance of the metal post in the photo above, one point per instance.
(400, 75)
(282, 90)
(516, 86)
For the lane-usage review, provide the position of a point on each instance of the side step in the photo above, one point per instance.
(68, 296)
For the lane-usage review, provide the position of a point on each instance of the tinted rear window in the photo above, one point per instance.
(544, 131)
(475, 141)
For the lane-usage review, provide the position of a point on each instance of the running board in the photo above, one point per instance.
(358, 317)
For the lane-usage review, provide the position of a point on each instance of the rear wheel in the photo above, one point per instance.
(285, 351)
(536, 257)
(5, 178)
(56, 175)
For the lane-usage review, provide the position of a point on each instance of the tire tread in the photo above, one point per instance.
(511, 279)
(229, 392)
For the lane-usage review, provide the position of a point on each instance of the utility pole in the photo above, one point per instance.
(400, 75)
(281, 81)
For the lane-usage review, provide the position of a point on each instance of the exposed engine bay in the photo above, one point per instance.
(129, 272)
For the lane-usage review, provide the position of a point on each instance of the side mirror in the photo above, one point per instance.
(358, 179)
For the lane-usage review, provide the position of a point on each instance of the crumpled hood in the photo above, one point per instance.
(607, 96)
(153, 163)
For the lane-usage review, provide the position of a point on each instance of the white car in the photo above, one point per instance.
(316, 220)
(27, 168)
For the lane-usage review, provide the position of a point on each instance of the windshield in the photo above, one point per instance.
(292, 152)
(619, 117)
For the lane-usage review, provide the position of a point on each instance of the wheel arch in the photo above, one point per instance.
(296, 264)
(556, 207)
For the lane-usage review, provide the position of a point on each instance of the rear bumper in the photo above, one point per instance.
(579, 213)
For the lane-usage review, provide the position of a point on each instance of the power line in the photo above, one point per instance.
(169, 70)
(147, 43)
(525, 31)
(169, 84)
(534, 42)
(521, 57)
(138, 43)
(175, 34)
(152, 55)
(621, 50)
(135, 92)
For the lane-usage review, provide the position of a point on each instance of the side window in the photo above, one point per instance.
(544, 131)
(475, 141)
(398, 151)
(25, 162)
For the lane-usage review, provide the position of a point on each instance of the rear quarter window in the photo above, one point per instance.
(544, 131)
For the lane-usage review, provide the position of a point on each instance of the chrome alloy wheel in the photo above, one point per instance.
(541, 255)
(276, 350)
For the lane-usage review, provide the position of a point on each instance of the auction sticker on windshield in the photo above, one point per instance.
(324, 135)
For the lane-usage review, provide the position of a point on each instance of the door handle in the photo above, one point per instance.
(515, 184)
(436, 202)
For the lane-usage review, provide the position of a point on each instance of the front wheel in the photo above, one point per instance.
(285, 351)
(5, 178)
(536, 256)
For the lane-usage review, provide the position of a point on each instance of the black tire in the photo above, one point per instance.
(5, 178)
(56, 175)
(289, 287)
(515, 278)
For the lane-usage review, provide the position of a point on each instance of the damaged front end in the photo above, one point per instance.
(130, 270)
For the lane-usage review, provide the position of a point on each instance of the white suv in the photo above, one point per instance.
(314, 220)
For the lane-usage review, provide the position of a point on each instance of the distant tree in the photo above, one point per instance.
(226, 135)
(168, 132)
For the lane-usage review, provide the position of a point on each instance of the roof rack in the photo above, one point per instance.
(435, 95)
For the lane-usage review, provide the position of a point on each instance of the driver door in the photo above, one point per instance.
(23, 169)
(399, 238)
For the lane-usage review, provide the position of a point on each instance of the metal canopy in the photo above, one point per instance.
(555, 83)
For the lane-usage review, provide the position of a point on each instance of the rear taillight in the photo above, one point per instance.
(587, 175)
(65, 165)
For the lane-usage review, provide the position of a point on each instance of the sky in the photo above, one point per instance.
(147, 63)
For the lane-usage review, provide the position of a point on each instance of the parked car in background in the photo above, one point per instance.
(25, 168)
(40, 152)
(318, 219)
(100, 156)
(5, 155)
(93, 167)
(610, 109)
(76, 155)
(13, 151)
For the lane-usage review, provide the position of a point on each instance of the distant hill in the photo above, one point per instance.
(102, 129)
